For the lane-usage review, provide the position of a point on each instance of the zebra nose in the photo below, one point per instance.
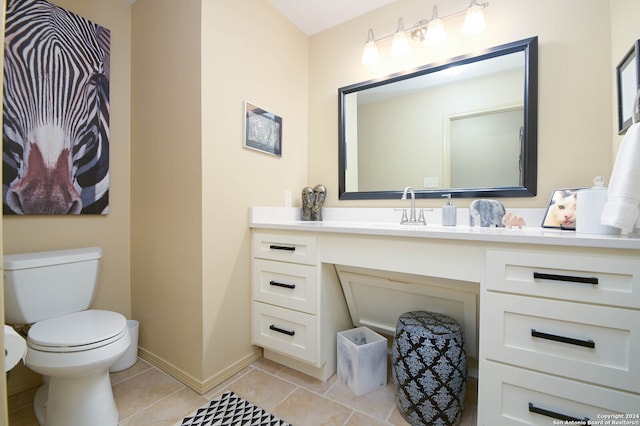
(23, 201)
(45, 189)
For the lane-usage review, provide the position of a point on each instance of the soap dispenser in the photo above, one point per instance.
(449, 213)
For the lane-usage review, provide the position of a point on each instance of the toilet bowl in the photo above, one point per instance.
(74, 353)
(72, 346)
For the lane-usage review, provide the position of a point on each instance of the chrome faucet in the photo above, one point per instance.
(412, 214)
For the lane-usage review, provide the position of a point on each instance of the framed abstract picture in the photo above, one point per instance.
(262, 130)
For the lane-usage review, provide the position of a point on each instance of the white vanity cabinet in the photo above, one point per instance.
(560, 336)
(295, 318)
(559, 312)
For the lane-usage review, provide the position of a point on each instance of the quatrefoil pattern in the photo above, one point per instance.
(429, 368)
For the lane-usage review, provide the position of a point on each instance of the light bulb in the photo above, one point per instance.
(370, 54)
(400, 43)
(435, 30)
(474, 22)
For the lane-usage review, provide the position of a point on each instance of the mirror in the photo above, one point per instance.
(466, 127)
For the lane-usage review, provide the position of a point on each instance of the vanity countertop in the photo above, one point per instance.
(383, 222)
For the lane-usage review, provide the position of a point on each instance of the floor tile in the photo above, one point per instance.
(146, 396)
(360, 419)
(170, 410)
(377, 403)
(306, 408)
(143, 391)
(262, 389)
(308, 382)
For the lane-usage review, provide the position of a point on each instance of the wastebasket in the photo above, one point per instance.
(131, 355)
(362, 360)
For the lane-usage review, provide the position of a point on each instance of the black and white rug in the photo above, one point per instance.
(231, 410)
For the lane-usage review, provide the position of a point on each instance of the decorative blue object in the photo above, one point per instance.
(429, 368)
(486, 213)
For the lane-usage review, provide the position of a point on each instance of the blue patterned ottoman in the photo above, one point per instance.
(429, 368)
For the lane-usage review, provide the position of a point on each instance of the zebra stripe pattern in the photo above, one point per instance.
(56, 111)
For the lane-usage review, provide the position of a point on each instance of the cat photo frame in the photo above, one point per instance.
(561, 213)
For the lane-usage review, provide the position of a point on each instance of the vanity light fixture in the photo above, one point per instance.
(430, 31)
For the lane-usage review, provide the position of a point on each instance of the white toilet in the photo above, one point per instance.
(70, 345)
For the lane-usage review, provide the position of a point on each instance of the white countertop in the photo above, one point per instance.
(386, 222)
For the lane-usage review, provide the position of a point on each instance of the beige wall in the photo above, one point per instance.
(192, 180)
(575, 98)
(249, 52)
(111, 232)
(166, 214)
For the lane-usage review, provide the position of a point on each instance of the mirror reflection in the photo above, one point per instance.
(467, 127)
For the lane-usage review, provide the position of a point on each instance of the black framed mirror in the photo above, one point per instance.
(466, 126)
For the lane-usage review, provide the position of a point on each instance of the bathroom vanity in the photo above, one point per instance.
(552, 317)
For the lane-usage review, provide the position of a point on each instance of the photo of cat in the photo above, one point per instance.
(561, 212)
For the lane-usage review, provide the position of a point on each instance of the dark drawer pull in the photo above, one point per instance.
(586, 343)
(282, 330)
(285, 248)
(566, 278)
(284, 285)
(559, 416)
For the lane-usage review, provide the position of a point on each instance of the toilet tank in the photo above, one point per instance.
(43, 285)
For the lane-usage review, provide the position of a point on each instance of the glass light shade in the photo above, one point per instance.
(370, 54)
(400, 43)
(435, 33)
(474, 22)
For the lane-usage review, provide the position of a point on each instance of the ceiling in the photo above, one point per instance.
(313, 16)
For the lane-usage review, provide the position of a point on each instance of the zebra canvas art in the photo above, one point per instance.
(56, 112)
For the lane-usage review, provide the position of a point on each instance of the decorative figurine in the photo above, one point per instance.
(510, 220)
(307, 202)
(486, 213)
(319, 194)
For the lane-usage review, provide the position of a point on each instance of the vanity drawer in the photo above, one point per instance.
(596, 344)
(285, 247)
(288, 285)
(516, 396)
(604, 279)
(289, 332)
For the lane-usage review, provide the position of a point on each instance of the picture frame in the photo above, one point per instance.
(262, 130)
(627, 83)
(561, 212)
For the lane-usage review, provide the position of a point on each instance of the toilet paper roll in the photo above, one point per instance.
(15, 348)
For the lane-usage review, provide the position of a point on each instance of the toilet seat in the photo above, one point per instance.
(76, 332)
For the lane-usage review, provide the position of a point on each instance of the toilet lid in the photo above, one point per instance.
(78, 331)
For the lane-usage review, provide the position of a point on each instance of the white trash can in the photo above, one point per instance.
(362, 360)
(131, 355)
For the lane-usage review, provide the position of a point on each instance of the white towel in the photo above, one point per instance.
(621, 209)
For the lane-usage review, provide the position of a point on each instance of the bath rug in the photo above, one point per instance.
(231, 410)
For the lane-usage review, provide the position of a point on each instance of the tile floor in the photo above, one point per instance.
(147, 396)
